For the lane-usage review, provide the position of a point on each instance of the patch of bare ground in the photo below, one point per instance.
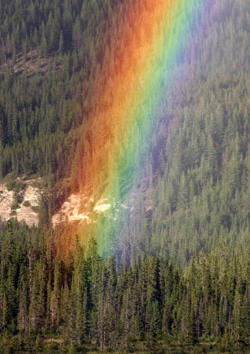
(20, 203)
(6, 200)
(28, 210)
(74, 209)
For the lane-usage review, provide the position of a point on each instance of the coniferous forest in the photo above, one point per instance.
(179, 281)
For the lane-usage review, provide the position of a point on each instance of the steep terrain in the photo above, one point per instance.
(195, 176)
(21, 200)
(78, 208)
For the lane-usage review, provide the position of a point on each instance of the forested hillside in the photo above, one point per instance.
(196, 174)
(48, 57)
(174, 272)
(197, 178)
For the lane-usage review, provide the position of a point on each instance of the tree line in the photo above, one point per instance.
(84, 298)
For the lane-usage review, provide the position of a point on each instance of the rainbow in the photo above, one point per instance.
(131, 86)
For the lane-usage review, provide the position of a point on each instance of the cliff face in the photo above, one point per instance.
(21, 201)
(79, 208)
(74, 209)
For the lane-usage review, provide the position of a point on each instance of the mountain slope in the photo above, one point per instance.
(201, 192)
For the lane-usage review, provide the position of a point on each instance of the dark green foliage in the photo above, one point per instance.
(196, 176)
(192, 190)
(48, 54)
(90, 301)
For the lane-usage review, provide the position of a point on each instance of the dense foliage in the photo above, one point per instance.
(48, 56)
(195, 179)
(195, 184)
(89, 300)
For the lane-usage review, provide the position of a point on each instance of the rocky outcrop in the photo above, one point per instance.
(78, 208)
(20, 203)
